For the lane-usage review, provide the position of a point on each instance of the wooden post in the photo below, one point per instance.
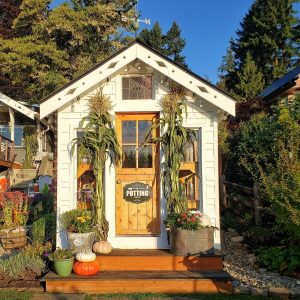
(223, 194)
(256, 205)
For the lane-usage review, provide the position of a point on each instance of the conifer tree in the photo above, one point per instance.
(154, 37)
(9, 10)
(251, 81)
(270, 33)
(175, 44)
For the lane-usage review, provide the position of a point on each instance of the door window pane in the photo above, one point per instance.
(129, 157)
(144, 126)
(145, 157)
(128, 132)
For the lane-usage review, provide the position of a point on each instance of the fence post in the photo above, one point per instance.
(223, 191)
(256, 205)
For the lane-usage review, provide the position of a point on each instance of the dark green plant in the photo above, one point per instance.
(98, 143)
(173, 140)
(31, 146)
(38, 231)
(60, 254)
(285, 260)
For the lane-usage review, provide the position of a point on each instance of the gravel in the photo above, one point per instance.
(237, 264)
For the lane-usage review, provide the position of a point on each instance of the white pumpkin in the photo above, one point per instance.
(86, 256)
(205, 220)
(102, 247)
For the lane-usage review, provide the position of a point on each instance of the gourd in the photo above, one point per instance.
(86, 256)
(205, 220)
(102, 247)
(86, 268)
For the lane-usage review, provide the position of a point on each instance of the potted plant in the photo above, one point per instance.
(98, 143)
(191, 233)
(63, 260)
(13, 218)
(79, 225)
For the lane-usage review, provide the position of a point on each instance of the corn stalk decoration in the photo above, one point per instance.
(98, 143)
(173, 139)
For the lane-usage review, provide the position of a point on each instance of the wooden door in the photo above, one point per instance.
(137, 177)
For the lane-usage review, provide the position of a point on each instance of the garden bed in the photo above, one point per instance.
(20, 284)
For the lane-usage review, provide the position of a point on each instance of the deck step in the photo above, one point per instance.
(171, 282)
(157, 260)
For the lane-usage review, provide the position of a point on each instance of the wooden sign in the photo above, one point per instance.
(137, 192)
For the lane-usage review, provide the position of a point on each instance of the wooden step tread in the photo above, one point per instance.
(153, 252)
(132, 275)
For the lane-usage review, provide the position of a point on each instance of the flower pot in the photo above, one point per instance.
(81, 242)
(13, 238)
(189, 242)
(63, 267)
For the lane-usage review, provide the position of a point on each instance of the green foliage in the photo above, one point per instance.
(99, 143)
(286, 260)
(250, 78)
(77, 220)
(269, 151)
(15, 295)
(269, 33)
(60, 254)
(171, 44)
(31, 146)
(175, 44)
(21, 266)
(38, 231)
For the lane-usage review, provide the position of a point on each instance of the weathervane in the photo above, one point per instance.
(135, 20)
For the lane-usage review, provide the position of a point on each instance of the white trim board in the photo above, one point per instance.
(74, 89)
(17, 106)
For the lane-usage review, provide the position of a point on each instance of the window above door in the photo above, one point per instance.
(137, 87)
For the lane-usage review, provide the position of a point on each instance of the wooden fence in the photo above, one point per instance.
(253, 202)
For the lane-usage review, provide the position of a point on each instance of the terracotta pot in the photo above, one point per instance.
(190, 242)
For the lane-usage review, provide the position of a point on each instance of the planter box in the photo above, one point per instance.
(13, 237)
(189, 242)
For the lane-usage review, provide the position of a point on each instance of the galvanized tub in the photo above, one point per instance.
(190, 242)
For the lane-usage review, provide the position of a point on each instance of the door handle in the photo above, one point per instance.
(118, 181)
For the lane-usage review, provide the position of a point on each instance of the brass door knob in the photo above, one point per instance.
(118, 181)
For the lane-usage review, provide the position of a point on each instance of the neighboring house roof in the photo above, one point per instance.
(283, 83)
(17, 106)
(133, 51)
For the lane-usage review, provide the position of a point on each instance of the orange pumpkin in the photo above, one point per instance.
(86, 268)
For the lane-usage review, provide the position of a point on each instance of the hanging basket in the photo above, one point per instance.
(13, 238)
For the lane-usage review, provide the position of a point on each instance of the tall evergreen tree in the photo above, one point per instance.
(251, 81)
(175, 44)
(153, 37)
(9, 10)
(270, 33)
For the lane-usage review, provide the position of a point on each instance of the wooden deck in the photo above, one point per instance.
(152, 271)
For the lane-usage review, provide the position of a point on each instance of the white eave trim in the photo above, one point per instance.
(17, 106)
(137, 51)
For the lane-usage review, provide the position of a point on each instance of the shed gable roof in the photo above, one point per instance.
(137, 50)
(17, 106)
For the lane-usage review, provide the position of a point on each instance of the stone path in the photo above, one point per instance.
(239, 264)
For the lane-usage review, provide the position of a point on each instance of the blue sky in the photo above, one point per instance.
(207, 26)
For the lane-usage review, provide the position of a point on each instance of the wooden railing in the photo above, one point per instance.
(253, 200)
(6, 149)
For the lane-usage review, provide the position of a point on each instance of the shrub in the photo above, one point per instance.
(44, 229)
(285, 260)
(24, 265)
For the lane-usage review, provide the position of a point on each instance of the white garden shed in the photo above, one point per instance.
(135, 79)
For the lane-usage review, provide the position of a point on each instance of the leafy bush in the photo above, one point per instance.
(285, 260)
(24, 265)
(269, 151)
(44, 229)
(255, 236)
(77, 220)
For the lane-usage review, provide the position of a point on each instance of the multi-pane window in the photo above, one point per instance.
(138, 87)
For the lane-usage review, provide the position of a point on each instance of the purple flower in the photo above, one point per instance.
(46, 254)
